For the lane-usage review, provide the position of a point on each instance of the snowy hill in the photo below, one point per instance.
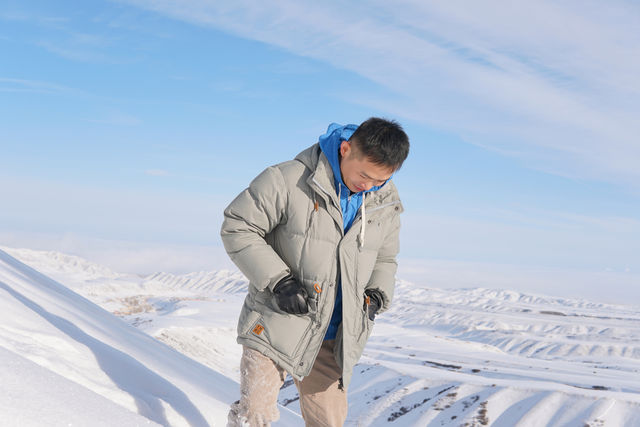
(32, 393)
(438, 357)
(57, 340)
(71, 266)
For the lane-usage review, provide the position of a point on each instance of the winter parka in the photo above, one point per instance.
(289, 220)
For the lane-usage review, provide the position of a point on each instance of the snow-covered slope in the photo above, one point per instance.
(87, 352)
(463, 357)
(34, 396)
(482, 356)
(62, 265)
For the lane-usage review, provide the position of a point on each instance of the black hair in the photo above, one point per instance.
(382, 142)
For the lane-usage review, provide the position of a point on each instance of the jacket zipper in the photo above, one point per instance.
(324, 330)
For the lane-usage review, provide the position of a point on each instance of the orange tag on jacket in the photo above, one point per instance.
(258, 329)
(317, 288)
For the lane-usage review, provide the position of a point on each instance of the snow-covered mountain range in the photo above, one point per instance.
(83, 345)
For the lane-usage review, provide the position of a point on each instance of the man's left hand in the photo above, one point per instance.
(372, 302)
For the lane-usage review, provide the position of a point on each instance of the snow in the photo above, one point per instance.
(32, 394)
(437, 357)
(68, 335)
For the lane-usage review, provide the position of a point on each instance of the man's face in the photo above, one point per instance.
(358, 173)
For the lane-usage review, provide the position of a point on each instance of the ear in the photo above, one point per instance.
(345, 147)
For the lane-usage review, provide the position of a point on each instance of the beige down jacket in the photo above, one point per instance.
(289, 221)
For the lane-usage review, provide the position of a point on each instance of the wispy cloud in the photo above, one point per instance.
(554, 83)
(118, 119)
(227, 86)
(156, 172)
(78, 47)
(61, 37)
(32, 86)
(41, 20)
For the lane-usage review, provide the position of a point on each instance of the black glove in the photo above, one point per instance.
(372, 302)
(291, 296)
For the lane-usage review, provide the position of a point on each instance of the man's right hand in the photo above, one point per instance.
(291, 296)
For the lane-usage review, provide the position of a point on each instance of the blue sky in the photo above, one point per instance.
(127, 126)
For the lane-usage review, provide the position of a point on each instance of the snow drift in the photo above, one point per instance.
(64, 359)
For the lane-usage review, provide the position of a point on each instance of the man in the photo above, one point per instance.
(317, 237)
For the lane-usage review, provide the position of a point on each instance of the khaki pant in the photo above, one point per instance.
(322, 401)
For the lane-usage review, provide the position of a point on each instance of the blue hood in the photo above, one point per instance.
(330, 146)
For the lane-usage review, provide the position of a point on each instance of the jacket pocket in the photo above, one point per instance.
(367, 326)
(285, 333)
(248, 321)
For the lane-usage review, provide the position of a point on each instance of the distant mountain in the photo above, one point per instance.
(79, 273)
(51, 262)
(208, 282)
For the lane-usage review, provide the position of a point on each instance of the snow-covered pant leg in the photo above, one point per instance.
(322, 402)
(260, 382)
